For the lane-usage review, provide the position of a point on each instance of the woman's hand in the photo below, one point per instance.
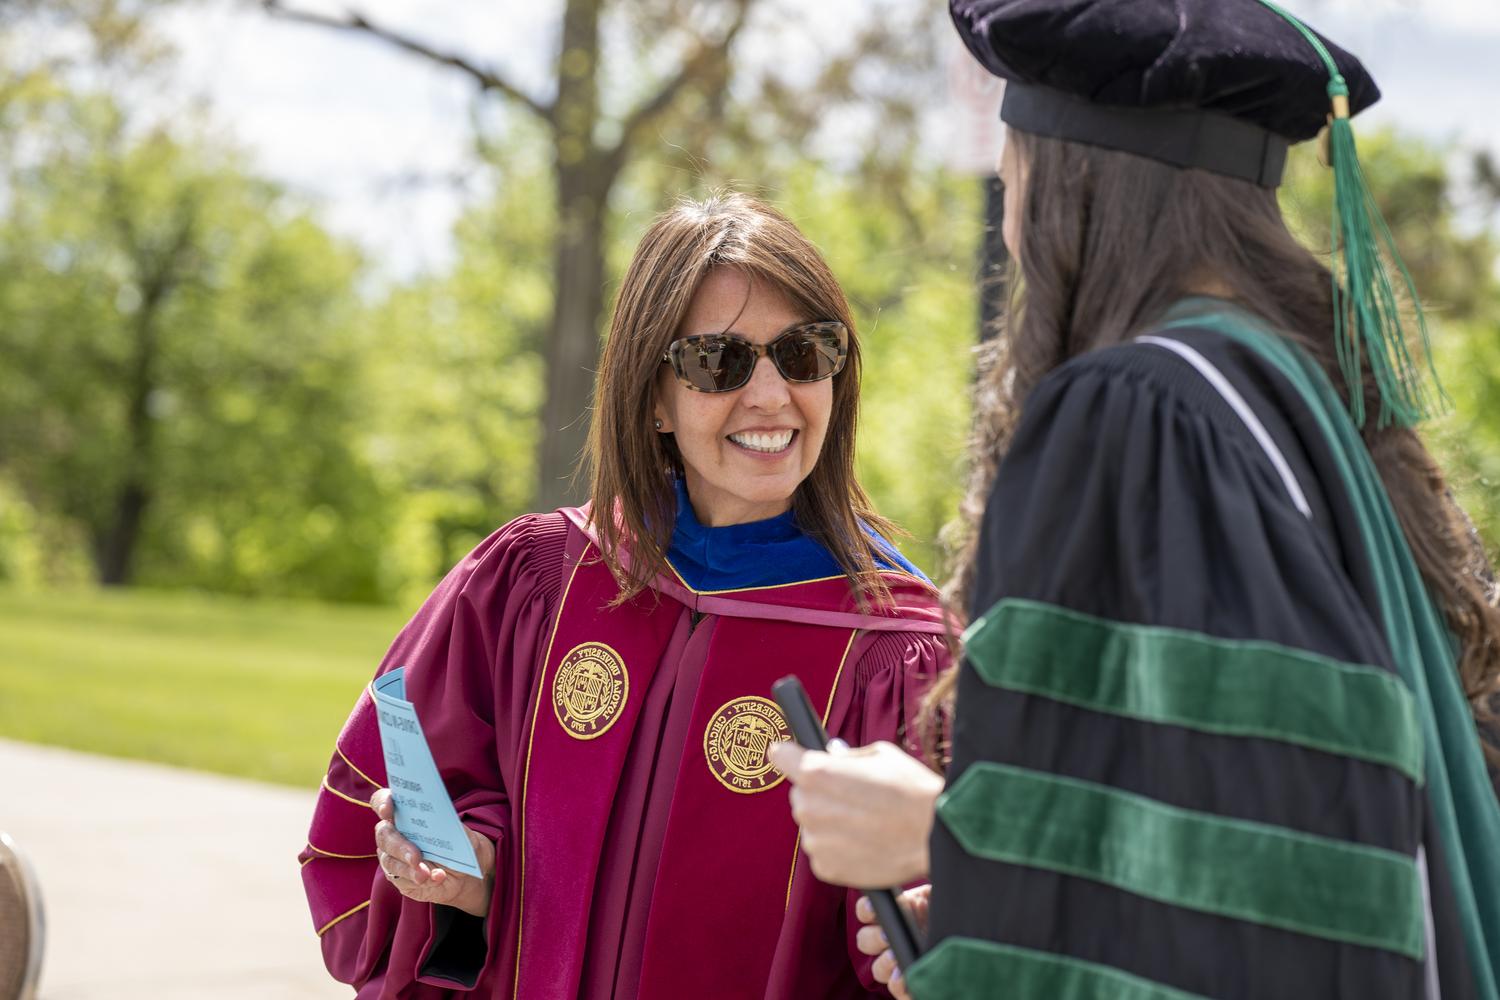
(402, 863)
(865, 814)
(871, 939)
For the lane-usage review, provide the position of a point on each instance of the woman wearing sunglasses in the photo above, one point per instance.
(594, 682)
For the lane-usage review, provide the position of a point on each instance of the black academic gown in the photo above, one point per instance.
(1134, 495)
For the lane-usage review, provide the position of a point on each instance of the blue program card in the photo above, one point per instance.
(424, 813)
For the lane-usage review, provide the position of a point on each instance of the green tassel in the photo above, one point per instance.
(1367, 304)
(1366, 296)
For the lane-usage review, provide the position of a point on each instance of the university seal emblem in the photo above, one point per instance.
(736, 741)
(589, 690)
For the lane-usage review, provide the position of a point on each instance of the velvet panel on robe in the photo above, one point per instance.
(472, 657)
(1136, 505)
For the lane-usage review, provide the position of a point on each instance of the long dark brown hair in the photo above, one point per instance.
(1110, 242)
(632, 465)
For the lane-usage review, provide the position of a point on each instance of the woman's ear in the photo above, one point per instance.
(661, 418)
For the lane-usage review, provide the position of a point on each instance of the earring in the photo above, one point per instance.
(658, 425)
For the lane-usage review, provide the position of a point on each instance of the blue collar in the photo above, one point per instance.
(767, 553)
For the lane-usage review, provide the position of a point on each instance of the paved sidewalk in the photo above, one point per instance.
(163, 883)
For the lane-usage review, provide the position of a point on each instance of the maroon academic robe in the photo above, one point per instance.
(645, 849)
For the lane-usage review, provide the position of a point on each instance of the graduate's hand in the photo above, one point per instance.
(871, 939)
(865, 814)
(402, 863)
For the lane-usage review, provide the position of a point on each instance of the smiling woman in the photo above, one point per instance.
(593, 681)
(715, 291)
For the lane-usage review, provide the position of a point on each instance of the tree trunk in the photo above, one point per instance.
(994, 293)
(584, 177)
(114, 555)
(115, 546)
(573, 337)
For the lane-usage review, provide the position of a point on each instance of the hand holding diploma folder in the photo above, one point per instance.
(424, 813)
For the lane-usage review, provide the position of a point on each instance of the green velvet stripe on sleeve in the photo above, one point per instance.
(1280, 878)
(1232, 688)
(966, 968)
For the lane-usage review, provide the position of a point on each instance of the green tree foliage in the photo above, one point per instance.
(181, 374)
(457, 379)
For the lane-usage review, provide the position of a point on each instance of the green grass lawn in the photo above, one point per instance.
(253, 688)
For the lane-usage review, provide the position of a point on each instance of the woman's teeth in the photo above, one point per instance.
(778, 441)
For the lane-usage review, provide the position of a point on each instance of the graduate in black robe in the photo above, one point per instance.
(1212, 735)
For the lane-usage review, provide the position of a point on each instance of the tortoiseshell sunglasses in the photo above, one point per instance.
(723, 362)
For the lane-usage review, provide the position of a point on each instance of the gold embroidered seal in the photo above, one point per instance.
(589, 690)
(736, 741)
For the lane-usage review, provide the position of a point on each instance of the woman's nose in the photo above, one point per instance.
(766, 390)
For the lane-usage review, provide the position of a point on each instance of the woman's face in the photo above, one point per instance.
(744, 451)
(1013, 176)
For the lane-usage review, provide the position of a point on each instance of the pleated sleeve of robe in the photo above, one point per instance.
(471, 656)
(487, 617)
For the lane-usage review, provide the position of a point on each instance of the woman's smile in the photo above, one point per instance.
(764, 444)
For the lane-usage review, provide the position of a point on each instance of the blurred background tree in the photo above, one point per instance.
(182, 366)
(181, 353)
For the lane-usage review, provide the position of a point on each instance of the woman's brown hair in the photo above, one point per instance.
(1110, 242)
(632, 465)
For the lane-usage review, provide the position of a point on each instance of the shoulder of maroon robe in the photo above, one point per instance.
(488, 612)
(892, 674)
